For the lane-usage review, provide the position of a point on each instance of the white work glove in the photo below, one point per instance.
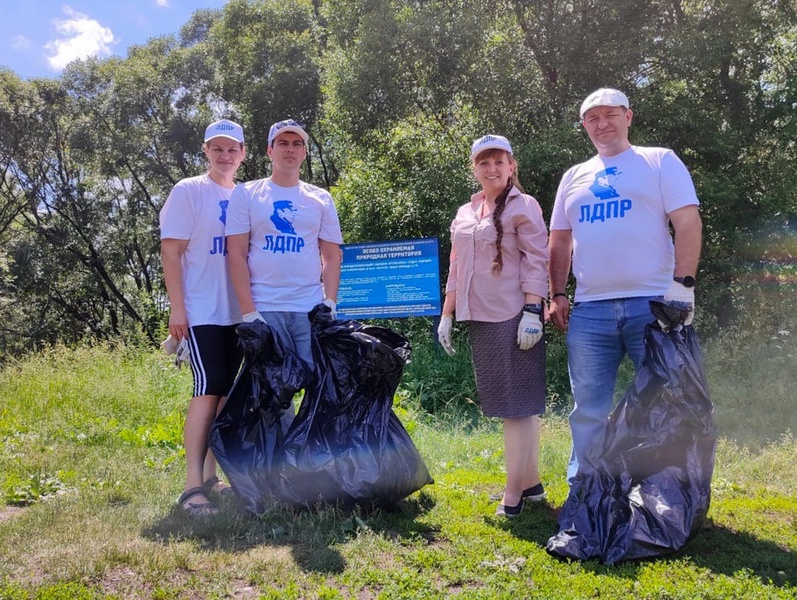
(444, 334)
(183, 354)
(332, 307)
(252, 317)
(529, 332)
(180, 350)
(680, 295)
(170, 344)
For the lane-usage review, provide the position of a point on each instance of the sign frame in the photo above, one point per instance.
(398, 278)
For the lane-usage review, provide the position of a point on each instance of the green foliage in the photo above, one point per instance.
(84, 260)
(60, 591)
(439, 384)
(266, 54)
(35, 488)
(390, 60)
(413, 177)
(557, 377)
(167, 433)
(749, 374)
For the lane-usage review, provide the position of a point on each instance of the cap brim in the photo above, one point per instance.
(290, 129)
(489, 147)
(222, 135)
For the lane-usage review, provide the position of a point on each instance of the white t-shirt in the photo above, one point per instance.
(617, 210)
(284, 225)
(195, 211)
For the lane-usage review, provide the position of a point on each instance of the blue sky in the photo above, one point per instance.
(38, 38)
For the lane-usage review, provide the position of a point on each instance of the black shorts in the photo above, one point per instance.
(215, 358)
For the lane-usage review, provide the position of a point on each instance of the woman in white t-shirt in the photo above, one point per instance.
(203, 309)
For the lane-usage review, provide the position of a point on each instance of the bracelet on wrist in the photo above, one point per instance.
(557, 294)
(533, 308)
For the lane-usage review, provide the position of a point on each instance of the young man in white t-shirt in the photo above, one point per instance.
(611, 216)
(203, 307)
(284, 238)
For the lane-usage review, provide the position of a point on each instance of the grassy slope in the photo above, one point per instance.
(90, 441)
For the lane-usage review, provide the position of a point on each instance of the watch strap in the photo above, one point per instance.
(533, 308)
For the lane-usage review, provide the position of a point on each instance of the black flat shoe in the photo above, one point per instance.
(535, 493)
(509, 512)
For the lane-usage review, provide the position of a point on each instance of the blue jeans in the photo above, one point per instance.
(599, 335)
(296, 333)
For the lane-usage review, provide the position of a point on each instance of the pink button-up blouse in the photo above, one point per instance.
(482, 295)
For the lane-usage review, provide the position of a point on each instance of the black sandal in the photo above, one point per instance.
(203, 509)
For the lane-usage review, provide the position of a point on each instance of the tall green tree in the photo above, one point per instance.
(101, 148)
(720, 89)
(266, 56)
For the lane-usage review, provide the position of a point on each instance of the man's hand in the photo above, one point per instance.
(529, 331)
(332, 307)
(559, 309)
(680, 295)
(444, 334)
(252, 317)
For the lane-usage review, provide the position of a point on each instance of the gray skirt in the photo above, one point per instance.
(510, 381)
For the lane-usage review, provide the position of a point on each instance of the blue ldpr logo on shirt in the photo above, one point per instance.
(603, 188)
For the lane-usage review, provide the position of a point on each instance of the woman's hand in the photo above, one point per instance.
(529, 331)
(444, 334)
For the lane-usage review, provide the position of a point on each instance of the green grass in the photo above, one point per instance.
(91, 465)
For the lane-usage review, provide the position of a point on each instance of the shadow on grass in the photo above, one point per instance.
(727, 552)
(308, 533)
(717, 549)
(537, 522)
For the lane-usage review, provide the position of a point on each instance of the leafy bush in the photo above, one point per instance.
(36, 488)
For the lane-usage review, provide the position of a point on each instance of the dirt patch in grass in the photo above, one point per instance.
(244, 591)
(9, 512)
(124, 582)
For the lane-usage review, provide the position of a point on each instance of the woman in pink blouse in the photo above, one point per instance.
(496, 282)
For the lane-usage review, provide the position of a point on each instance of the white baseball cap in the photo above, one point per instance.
(225, 128)
(284, 127)
(488, 142)
(603, 97)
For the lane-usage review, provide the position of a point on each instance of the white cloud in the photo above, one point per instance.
(81, 37)
(20, 42)
(164, 3)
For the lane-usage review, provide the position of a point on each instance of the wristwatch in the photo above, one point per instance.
(533, 308)
(687, 281)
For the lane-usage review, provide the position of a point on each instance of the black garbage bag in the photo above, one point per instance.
(247, 436)
(644, 491)
(346, 445)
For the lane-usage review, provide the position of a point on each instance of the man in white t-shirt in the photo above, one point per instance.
(284, 242)
(203, 307)
(611, 216)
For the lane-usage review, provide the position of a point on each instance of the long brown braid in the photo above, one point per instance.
(500, 204)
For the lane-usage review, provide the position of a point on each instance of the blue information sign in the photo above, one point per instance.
(390, 279)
